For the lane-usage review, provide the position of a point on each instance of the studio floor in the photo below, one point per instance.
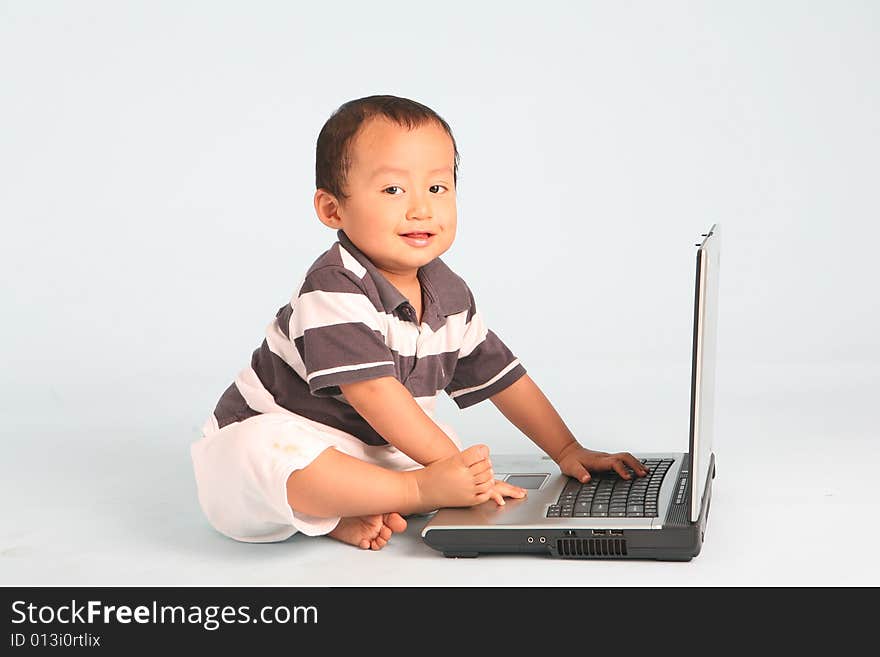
(794, 504)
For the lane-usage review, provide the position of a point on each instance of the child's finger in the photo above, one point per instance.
(619, 469)
(581, 473)
(638, 467)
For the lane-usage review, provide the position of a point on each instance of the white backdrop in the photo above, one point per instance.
(157, 166)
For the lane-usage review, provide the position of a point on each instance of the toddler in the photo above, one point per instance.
(330, 429)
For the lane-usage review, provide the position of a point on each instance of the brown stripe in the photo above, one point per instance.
(330, 257)
(340, 345)
(292, 393)
(426, 376)
(490, 357)
(283, 317)
(232, 407)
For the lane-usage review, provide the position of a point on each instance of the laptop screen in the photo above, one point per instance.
(703, 366)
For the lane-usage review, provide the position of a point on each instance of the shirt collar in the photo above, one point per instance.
(447, 290)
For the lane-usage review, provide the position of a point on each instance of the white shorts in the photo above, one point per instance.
(242, 469)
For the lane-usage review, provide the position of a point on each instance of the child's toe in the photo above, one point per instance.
(394, 521)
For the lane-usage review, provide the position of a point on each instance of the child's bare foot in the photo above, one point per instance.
(369, 532)
(463, 479)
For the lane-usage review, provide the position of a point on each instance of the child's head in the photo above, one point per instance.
(386, 166)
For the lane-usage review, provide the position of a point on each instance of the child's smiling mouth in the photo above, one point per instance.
(417, 238)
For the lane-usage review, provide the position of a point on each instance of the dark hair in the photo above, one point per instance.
(333, 150)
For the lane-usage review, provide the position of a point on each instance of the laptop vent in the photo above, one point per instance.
(591, 547)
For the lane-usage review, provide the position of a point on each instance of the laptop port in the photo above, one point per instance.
(615, 532)
(599, 532)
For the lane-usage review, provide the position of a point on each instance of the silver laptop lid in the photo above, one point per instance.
(703, 365)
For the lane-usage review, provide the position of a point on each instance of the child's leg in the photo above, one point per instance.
(256, 481)
(335, 484)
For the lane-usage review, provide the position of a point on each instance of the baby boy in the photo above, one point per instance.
(330, 429)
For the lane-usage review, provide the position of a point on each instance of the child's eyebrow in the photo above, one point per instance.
(388, 169)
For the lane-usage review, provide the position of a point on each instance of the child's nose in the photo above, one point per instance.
(420, 206)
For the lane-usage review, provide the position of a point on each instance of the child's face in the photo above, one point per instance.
(385, 205)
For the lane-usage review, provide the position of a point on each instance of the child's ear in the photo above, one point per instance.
(327, 209)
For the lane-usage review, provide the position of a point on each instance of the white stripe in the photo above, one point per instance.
(449, 337)
(298, 288)
(402, 336)
(316, 309)
(349, 262)
(488, 383)
(284, 349)
(474, 334)
(348, 368)
(407, 340)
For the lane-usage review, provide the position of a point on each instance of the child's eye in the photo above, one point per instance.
(391, 187)
(396, 187)
(443, 186)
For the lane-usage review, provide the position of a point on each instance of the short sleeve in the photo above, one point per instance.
(485, 365)
(338, 332)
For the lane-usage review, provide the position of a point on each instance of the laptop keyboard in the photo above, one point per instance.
(609, 495)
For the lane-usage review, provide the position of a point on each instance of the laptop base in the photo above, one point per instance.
(678, 540)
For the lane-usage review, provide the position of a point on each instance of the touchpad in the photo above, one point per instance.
(530, 481)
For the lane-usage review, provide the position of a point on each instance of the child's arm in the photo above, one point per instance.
(396, 416)
(530, 411)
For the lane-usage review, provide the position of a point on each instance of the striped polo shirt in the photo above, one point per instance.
(348, 323)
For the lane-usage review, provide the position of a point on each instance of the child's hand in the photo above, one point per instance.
(502, 489)
(576, 461)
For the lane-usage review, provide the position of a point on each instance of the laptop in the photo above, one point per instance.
(660, 516)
